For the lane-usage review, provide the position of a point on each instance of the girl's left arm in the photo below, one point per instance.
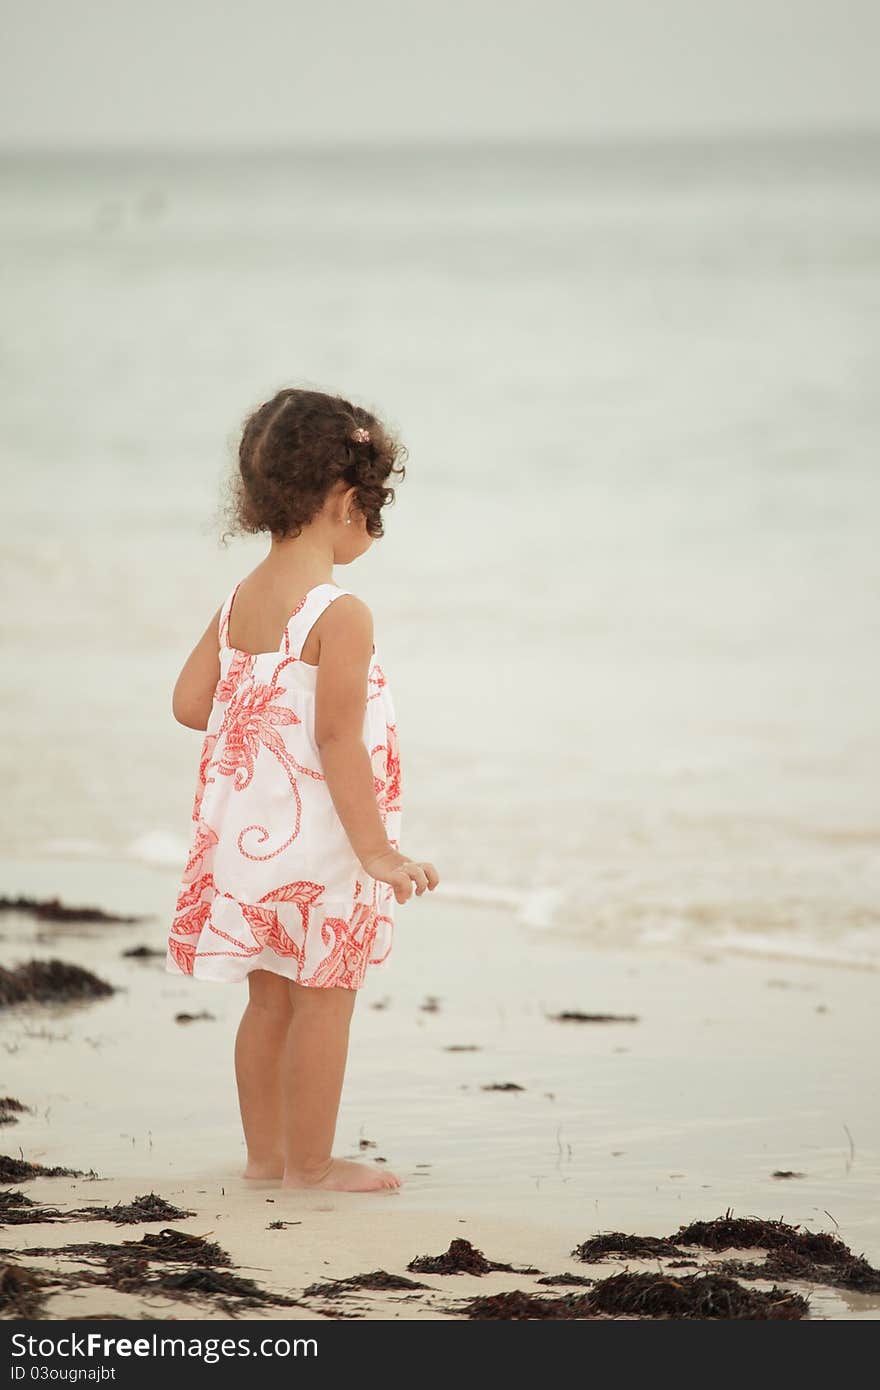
(194, 692)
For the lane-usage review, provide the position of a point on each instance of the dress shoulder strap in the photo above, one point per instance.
(303, 619)
(226, 609)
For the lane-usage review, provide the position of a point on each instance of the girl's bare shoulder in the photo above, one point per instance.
(348, 617)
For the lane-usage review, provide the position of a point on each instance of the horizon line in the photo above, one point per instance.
(484, 141)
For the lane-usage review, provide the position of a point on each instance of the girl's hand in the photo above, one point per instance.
(394, 868)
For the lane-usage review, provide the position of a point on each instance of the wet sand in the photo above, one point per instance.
(733, 1068)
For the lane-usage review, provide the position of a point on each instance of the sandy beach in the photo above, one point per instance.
(719, 1070)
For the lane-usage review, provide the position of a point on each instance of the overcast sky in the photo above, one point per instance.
(166, 72)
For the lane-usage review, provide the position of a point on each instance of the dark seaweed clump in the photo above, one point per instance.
(793, 1254)
(702, 1296)
(44, 981)
(22, 1291)
(520, 1305)
(127, 1268)
(19, 1170)
(18, 1210)
(167, 1244)
(10, 1109)
(201, 1279)
(215, 1281)
(736, 1233)
(145, 1208)
(692, 1296)
(570, 1280)
(810, 1256)
(575, 1016)
(617, 1243)
(463, 1258)
(378, 1279)
(842, 1271)
(54, 910)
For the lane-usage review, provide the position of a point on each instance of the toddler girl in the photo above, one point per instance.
(295, 863)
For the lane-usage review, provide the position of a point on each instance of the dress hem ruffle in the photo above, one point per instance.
(310, 943)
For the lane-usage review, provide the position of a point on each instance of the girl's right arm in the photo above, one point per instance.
(193, 694)
(345, 633)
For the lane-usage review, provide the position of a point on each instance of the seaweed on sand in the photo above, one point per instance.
(10, 1109)
(22, 1291)
(570, 1280)
(127, 1268)
(19, 1170)
(215, 1281)
(575, 1016)
(378, 1279)
(809, 1256)
(692, 1296)
(517, 1304)
(627, 1295)
(167, 1245)
(45, 981)
(812, 1256)
(53, 910)
(728, 1232)
(149, 1207)
(852, 1273)
(618, 1243)
(18, 1210)
(463, 1258)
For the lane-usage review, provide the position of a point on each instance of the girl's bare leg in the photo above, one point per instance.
(259, 1047)
(312, 1075)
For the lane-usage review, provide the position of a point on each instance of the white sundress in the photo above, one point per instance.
(271, 881)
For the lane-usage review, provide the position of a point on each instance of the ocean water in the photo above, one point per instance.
(628, 594)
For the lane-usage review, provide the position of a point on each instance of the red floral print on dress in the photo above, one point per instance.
(268, 931)
(302, 893)
(376, 679)
(386, 771)
(351, 946)
(204, 764)
(263, 920)
(252, 720)
(183, 953)
(241, 665)
(204, 840)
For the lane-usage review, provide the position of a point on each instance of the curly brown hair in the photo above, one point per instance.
(294, 448)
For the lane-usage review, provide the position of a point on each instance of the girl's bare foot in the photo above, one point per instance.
(344, 1175)
(264, 1168)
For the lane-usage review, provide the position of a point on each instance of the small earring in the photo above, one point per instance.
(348, 521)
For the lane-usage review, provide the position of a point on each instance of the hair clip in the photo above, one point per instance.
(361, 436)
